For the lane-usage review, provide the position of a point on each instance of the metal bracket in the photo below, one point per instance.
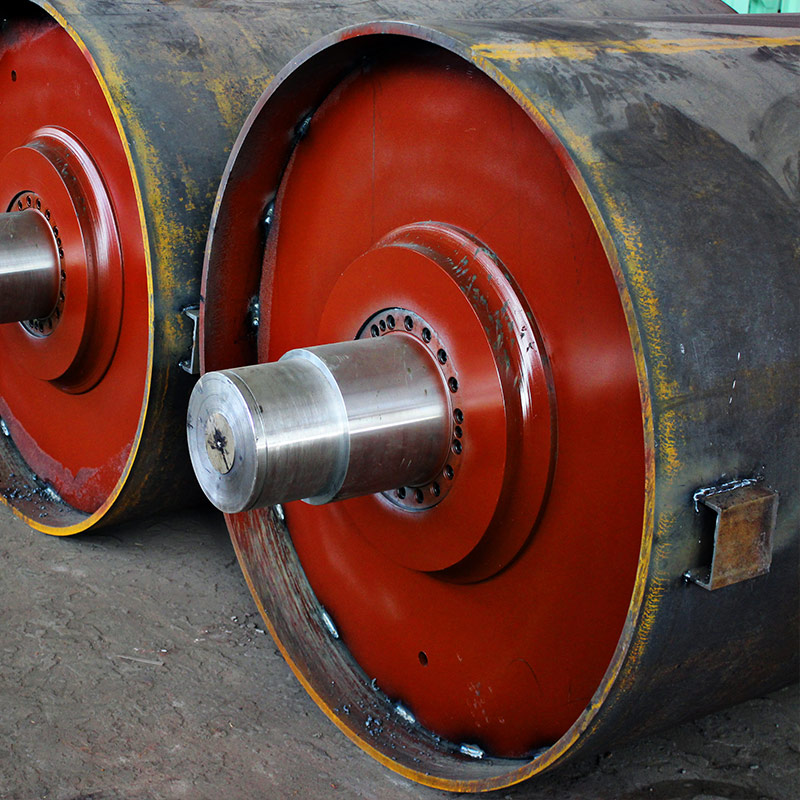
(745, 522)
(192, 363)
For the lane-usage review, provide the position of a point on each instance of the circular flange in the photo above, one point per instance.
(501, 388)
(74, 345)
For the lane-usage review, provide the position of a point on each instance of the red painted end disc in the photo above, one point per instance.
(491, 616)
(73, 385)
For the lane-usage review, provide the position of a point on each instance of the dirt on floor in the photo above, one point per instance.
(134, 666)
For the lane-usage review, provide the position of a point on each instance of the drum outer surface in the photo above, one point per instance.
(681, 139)
(179, 79)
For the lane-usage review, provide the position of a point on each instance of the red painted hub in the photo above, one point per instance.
(74, 345)
(498, 385)
(73, 385)
(493, 614)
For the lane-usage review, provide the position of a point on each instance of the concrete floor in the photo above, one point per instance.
(134, 667)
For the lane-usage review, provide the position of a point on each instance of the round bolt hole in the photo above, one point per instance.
(448, 472)
(458, 416)
(419, 496)
(47, 213)
(13, 75)
(453, 384)
(382, 325)
(38, 204)
(436, 490)
(19, 204)
(458, 432)
(409, 323)
(456, 447)
(426, 335)
(423, 658)
(60, 253)
(29, 201)
(55, 232)
(374, 330)
(63, 275)
(401, 492)
(390, 322)
(442, 356)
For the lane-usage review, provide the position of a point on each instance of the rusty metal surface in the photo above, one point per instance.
(681, 138)
(744, 524)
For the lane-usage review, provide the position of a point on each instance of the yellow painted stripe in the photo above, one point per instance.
(584, 51)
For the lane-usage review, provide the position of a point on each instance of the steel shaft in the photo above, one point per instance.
(29, 266)
(320, 424)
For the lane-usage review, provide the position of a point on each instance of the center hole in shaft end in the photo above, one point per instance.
(220, 443)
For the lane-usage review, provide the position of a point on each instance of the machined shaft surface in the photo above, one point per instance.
(321, 424)
(29, 266)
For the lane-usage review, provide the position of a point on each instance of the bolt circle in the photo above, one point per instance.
(384, 323)
(44, 326)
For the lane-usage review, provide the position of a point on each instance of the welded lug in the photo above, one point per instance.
(742, 538)
(191, 363)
